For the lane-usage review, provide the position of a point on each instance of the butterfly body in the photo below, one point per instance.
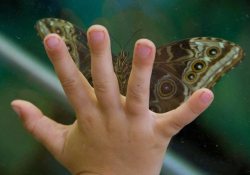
(180, 68)
(122, 68)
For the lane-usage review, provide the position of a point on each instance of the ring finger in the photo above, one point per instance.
(137, 99)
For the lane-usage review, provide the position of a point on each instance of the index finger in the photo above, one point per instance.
(75, 85)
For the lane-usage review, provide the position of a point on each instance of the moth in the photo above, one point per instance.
(180, 68)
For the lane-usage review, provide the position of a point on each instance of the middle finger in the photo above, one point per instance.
(104, 79)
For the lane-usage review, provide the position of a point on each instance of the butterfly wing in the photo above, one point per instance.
(75, 39)
(182, 67)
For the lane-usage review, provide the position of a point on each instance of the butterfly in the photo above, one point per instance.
(180, 68)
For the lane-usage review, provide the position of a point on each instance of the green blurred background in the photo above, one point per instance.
(218, 142)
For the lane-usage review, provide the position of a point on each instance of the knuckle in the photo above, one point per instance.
(176, 124)
(69, 83)
(192, 109)
(135, 94)
(98, 53)
(101, 85)
(31, 127)
(138, 64)
(57, 55)
(142, 64)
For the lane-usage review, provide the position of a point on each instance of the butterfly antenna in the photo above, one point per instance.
(131, 38)
(115, 40)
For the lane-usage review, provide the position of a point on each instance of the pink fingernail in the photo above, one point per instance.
(16, 109)
(143, 50)
(205, 97)
(52, 42)
(96, 36)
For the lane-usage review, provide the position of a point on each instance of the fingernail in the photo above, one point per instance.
(96, 36)
(143, 50)
(205, 97)
(52, 42)
(16, 109)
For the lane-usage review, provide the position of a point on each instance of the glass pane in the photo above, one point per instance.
(217, 142)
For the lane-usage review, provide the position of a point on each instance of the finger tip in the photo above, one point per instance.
(144, 48)
(15, 106)
(206, 96)
(21, 107)
(19, 102)
(16, 102)
(13, 102)
(52, 42)
(207, 90)
(24, 107)
(96, 27)
(51, 35)
(145, 42)
(97, 34)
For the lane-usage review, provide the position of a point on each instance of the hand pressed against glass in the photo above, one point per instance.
(112, 135)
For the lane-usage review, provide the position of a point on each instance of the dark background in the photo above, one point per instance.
(218, 142)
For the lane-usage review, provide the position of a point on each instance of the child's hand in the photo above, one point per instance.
(112, 135)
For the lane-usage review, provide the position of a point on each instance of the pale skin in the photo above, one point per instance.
(113, 134)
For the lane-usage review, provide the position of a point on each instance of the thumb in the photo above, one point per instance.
(172, 122)
(43, 129)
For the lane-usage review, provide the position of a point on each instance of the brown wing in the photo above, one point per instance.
(185, 66)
